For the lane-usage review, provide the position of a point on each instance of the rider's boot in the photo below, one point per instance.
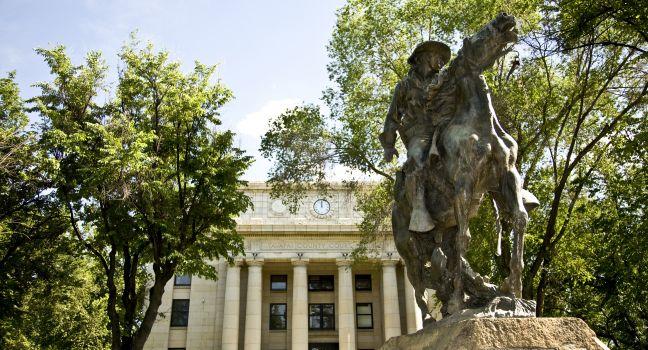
(420, 220)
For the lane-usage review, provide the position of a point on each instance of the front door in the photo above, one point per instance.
(323, 346)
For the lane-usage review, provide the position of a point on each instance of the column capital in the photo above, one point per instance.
(254, 262)
(389, 262)
(238, 262)
(299, 262)
(343, 262)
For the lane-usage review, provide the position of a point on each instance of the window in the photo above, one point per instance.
(364, 315)
(323, 346)
(320, 283)
(278, 316)
(363, 282)
(278, 282)
(321, 316)
(182, 280)
(180, 313)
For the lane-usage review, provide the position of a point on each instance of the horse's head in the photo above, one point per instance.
(490, 43)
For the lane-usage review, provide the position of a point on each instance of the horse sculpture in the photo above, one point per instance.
(470, 156)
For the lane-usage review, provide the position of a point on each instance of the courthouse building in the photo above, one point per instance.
(295, 288)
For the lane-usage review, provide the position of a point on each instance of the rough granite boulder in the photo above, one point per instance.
(501, 333)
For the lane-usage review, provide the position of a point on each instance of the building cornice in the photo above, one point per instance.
(297, 229)
(333, 185)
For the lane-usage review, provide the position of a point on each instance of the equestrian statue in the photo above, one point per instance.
(457, 155)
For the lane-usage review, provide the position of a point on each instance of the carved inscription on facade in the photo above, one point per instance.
(301, 245)
(324, 245)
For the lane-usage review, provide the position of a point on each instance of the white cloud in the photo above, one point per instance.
(256, 123)
(340, 172)
(9, 56)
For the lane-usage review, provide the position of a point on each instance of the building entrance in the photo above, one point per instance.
(323, 346)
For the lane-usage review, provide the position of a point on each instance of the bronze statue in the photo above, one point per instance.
(457, 154)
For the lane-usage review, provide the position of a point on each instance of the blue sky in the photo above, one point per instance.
(272, 54)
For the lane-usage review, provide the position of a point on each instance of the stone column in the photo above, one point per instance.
(253, 308)
(414, 320)
(391, 314)
(346, 306)
(220, 302)
(231, 310)
(299, 320)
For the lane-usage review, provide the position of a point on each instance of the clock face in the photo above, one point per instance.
(278, 207)
(321, 206)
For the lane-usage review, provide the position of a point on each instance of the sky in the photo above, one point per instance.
(272, 53)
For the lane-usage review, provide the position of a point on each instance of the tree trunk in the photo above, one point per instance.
(113, 317)
(155, 300)
(127, 343)
(540, 292)
(550, 232)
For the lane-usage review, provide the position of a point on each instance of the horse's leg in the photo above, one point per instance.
(511, 199)
(461, 204)
(419, 296)
(512, 193)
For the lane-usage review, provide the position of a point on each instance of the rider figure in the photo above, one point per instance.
(407, 115)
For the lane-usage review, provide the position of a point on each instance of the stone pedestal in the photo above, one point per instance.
(502, 334)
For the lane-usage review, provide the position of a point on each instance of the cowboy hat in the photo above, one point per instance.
(437, 47)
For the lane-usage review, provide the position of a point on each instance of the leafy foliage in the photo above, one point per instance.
(300, 142)
(608, 249)
(32, 239)
(614, 23)
(64, 310)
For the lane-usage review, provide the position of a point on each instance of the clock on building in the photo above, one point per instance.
(321, 207)
(277, 208)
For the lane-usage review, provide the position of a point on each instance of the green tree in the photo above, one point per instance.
(609, 247)
(48, 299)
(595, 89)
(149, 184)
(64, 309)
(613, 23)
(31, 224)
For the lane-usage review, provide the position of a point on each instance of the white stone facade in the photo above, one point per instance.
(234, 311)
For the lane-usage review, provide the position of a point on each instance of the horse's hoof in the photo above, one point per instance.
(506, 288)
(511, 287)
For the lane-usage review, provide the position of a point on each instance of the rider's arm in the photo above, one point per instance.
(392, 121)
